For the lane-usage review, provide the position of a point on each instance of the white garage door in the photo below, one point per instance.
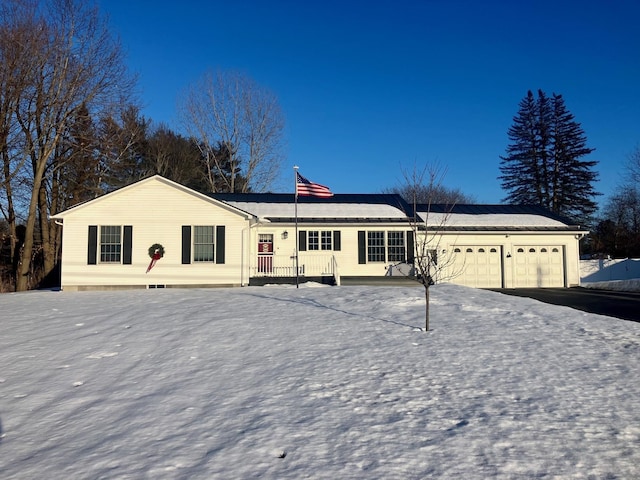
(539, 266)
(477, 266)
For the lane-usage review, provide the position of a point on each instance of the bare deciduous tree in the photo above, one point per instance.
(231, 109)
(633, 166)
(432, 194)
(71, 61)
(20, 36)
(123, 146)
(428, 224)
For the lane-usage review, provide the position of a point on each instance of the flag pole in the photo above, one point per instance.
(295, 168)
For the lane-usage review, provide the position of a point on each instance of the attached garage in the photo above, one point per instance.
(532, 266)
(503, 246)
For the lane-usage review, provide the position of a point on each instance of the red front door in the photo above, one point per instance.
(265, 253)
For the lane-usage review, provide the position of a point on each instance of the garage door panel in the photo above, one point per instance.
(477, 266)
(539, 266)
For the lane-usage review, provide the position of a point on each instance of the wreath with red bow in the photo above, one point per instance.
(156, 252)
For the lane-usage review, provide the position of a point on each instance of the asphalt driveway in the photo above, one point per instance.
(625, 305)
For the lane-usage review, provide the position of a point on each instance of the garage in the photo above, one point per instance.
(477, 266)
(539, 266)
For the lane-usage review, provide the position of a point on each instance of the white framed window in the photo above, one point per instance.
(326, 240)
(395, 247)
(313, 240)
(375, 247)
(316, 240)
(110, 244)
(203, 243)
(433, 256)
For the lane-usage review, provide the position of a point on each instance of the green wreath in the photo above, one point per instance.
(154, 247)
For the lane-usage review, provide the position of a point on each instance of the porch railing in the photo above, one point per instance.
(285, 266)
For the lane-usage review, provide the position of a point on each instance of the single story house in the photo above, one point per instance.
(157, 233)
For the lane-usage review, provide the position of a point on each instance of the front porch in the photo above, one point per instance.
(281, 269)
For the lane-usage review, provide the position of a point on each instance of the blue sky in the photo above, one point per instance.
(369, 88)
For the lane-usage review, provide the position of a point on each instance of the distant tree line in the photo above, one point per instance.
(71, 130)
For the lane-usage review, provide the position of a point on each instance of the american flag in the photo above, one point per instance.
(305, 187)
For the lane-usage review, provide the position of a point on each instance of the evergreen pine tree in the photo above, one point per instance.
(521, 167)
(573, 178)
(543, 165)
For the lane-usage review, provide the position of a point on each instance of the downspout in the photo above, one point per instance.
(243, 254)
(578, 237)
(59, 223)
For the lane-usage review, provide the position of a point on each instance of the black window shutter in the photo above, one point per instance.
(302, 241)
(362, 247)
(186, 244)
(127, 242)
(220, 244)
(336, 240)
(92, 245)
(410, 247)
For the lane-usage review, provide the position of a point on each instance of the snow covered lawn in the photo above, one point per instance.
(323, 383)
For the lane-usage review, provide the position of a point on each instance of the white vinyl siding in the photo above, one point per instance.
(130, 206)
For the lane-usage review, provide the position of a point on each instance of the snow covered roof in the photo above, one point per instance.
(493, 217)
(346, 207)
(279, 207)
(489, 220)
